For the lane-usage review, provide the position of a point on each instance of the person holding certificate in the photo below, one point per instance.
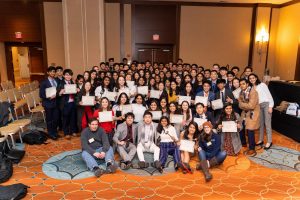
(138, 108)
(84, 112)
(210, 153)
(187, 114)
(188, 91)
(207, 93)
(103, 88)
(173, 92)
(125, 138)
(154, 107)
(190, 135)
(121, 86)
(201, 114)
(68, 107)
(249, 103)
(117, 108)
(49, 102)
(230, 141)
(168, 142)
(174, 110)
(146, 141)
(107, 125)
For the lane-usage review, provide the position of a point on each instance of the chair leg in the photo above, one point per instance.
(20, 133)
(8, 144)
(16, 113)
(44, 117)
(12, 140)
(22, 111)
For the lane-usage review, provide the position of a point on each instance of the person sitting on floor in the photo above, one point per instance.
(125, 139)
(95, 147)
(168, 142)
(210, 153)
(146, 142)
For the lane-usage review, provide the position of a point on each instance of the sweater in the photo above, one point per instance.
(212, 147)
(90, 141)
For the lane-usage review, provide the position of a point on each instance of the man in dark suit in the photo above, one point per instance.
(213, 78)
(49, 103)
(224, 94)
(67, 106)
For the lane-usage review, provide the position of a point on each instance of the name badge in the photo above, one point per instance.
(209, 143)
(91, 140)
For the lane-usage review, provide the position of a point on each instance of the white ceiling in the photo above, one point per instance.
(235, 1)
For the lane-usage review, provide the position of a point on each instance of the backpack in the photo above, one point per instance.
(6, 170)
(13, 155)
(34, 137)
(4, 113)
(15, 191)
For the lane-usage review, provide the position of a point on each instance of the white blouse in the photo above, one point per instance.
(170, 130)
(264, 94)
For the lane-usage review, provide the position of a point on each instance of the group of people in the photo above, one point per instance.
(162, 108)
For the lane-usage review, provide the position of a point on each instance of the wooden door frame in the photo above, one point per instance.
(153, 46)
(9, 60)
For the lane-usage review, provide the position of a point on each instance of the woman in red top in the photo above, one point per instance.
(109, 125)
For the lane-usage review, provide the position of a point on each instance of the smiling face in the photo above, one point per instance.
(185, 106)
(164, 122)
(87, 86)
(228, 110)
(252, 79)
(163, 103)
(192, 129)
(153, 106)
(93, 125)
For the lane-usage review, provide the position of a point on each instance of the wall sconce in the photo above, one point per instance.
(262, 39)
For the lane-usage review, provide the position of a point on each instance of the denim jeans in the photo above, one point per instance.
(91, 161)
(221, 155)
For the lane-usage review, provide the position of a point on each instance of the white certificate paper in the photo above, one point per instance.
(88, 100)
(70, 89)
(154, 94)
(50, 92)
(176, 119)
(110, 95)
(156, 115)
(184, 98)
(200, 121)
(126, 109)
(142, 90)
(130, 84)
(217, 104)
(229, 127)
(236, 93)
(187, 145)
(124, 90)
(105, 116)
(201, 99)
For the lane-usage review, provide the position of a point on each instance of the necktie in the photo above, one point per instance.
(222, 94)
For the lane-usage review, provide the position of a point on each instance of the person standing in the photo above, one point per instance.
(50, 103)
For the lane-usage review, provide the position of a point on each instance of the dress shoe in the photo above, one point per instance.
(98, 171)
(74, 135)
(268, 147)
(68, 137)
(53, 137)
(244, 145)
(259, 143)
(251, 153)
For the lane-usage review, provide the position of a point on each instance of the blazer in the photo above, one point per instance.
(46, 102)
(227, 93)
(121, 133)
(140, 132)
(64, 97)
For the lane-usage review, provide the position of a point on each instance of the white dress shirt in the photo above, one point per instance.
(264, 94)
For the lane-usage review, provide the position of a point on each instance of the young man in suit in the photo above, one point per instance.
(49, 103)
(125, 138)
(146, 141)
(213, 78)
(68, 106)
(225, 95)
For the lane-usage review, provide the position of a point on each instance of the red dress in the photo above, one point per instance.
(87, 114)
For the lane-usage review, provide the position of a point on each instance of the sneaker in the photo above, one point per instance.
(128, 165)
(98, 171)
(123, 166)
(111, 168)
(142, 164)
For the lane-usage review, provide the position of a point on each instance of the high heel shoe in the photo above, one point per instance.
(259, 144)
(266, 148)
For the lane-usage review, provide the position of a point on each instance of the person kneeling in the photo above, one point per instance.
(125, 139)
(147, 138)
(95, 147)
(210, 153)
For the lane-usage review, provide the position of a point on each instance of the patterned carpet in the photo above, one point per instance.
(238, 178)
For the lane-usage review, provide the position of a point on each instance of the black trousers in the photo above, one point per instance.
(52, 120)
(69, 118)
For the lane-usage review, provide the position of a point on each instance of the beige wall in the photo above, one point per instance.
(258, 62)
(288, 38)
(3, 72)
(127, 31)
(112, 31)
(215, 35)
(54, 33)
(83, 34)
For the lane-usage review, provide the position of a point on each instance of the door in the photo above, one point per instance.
(162, 54)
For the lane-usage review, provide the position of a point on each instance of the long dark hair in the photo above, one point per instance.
(118, 85)
(257, 82)
(119, 98)
(223, 115)
(108, 106)
(186, 132)
(143, 100)
(159, 126)
(103, 86)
